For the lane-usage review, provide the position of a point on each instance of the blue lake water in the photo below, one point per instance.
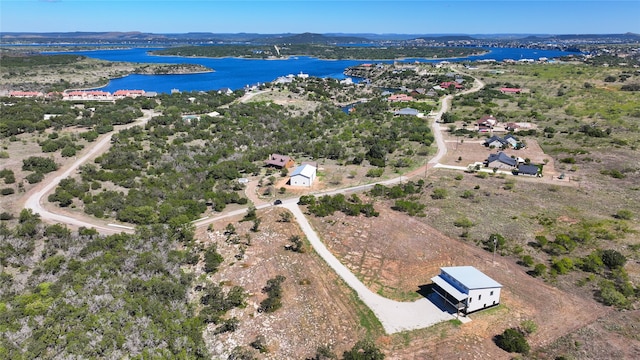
(236, 73)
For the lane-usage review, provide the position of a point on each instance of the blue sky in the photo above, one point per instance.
(350, 16)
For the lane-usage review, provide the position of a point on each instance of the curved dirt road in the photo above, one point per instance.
(34, 200)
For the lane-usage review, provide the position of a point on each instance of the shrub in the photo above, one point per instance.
(542, 240)
(528, 326)
(616, 174)
(410, 207)
(592, 262)
(610, 296)
(68, 151)
(512, 340)
(39, 164)
(9, 176)
(274, 291)
(212, 259)
(527, 260)
(563, 266)
(467, 194)
(539, 270)
(34, 178)
(613, 259)
(439, 193)
(375, 172)
(363, 350)
(7, 191)
(463, 223)
(297, 245)
(630, 87)
(621, 214)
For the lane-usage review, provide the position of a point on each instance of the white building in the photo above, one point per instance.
(466, 288)
(303, 175)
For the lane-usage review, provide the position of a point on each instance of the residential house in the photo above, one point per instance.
(303, 175)
(87, 95)
(501, 161)
(419, 91)
(466, 288)
(529, 169)
(498, 142)
(279, 161)
(128, 93)
(512, 140)
(495, 141)
(486, 123)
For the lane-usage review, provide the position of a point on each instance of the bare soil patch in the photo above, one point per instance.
(318, 308)
(395, 254)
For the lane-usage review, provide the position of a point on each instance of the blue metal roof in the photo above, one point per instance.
(460, 296)
(503, 158)
(471, 277)
(305, 170)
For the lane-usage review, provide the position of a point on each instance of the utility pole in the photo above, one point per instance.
(495, 245)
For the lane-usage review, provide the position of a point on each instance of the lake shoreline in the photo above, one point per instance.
(239, 73)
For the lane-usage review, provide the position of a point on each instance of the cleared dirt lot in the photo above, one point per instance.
(395, 254)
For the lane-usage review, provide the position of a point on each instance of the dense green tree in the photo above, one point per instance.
(512, 340)
(212, 259)
(613, 259)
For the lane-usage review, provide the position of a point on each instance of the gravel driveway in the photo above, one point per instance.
(395, 316)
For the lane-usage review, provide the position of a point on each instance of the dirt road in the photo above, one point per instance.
(34, 199)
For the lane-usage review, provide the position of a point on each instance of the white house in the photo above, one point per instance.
(303, 175)
(466, 288)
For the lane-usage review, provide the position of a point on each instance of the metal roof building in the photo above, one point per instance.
(466, 288)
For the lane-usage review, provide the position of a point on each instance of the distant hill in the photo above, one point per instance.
(447, 38)
(304, 38)
(577, 37)
(310, 38)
